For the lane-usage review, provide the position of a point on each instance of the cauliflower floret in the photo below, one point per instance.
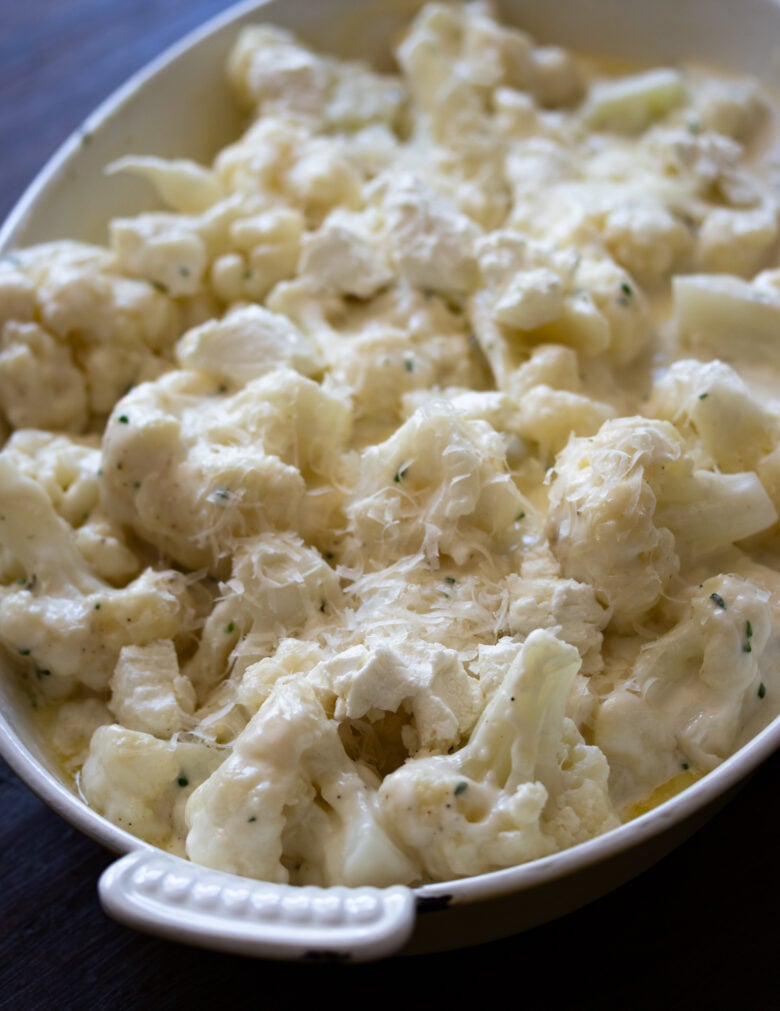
(312, 813)
(246, 343)
(120, 331)
(346, 256)
(276, 75)
(631, 104)
(432, 243)
(164, 249)
(141, 784)
(569, 608)
(147, 691)
(191, 472)
(692, 691)
(439, 484)
(182, 184)
(69, 622)
(715, 409)
(737, 241)
(40, 387)
(278, 585)
(523, 786)
(626, 505)
(425, 680)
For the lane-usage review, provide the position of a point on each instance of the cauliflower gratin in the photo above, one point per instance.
(401, 503)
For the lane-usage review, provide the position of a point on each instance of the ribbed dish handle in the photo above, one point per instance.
(165, 895)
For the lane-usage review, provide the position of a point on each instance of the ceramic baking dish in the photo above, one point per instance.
(180, 106)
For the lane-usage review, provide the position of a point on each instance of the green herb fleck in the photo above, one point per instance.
(703, 396)
(97, 606)
(718, 600)
(461, 788)
(627, 290)
(222, 493)
(24, 652)
(451, 580)
(747, 647)
(409, 364)
(21, 580)
(761, 690)
(694, 127)
(159, 286)
(123, 419)
(252, 818)
(183, 781)
(230, 627)
(520, 516)
(400, 474)
(184, 271)
(684, 766)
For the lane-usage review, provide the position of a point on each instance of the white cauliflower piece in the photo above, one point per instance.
(147, 691)
(278, 584)
(266, 249)
(713, 407)
(40, 386)
(164, 249)
(425, 680)
(722, 316)
(182, 184)
(440, 484)
(627, 504)
(141, 784)
(248, 342)
(289, 804)
(570, 609)
(432, 242)
(692, 691)
(120, 331)
(631, 104)
(69, 622)
(346, 255)
(192, 472)
(523, 786)
(736, 240)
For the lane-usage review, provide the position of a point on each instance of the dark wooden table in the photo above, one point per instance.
(698, 931)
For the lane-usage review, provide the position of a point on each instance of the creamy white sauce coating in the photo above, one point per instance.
(402, 503)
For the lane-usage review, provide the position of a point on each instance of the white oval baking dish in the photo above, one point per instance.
(162, 111)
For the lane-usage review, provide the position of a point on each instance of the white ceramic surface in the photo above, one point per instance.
(155, 114)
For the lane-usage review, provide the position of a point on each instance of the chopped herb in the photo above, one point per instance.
(451, 580)
(761, 690)
(252, 818)
(230, 627)
(748, 630)
(703, 396)
(409, 364)
(123, 419)
(100, 472)
(159, 286)
(400, 474)
(520, 516)
(694, 127)
(684, 766)
(627, 290)
(184, 271)
(24, 652)
(328, 556)
(22, 580)
(461, 788)
(42, 672)
(97, 606)
(183, 781)
(718, 600)
(222, 493)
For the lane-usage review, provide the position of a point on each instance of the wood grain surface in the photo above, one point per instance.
(698, 931)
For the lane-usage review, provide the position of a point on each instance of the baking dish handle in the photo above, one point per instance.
(167, 896)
